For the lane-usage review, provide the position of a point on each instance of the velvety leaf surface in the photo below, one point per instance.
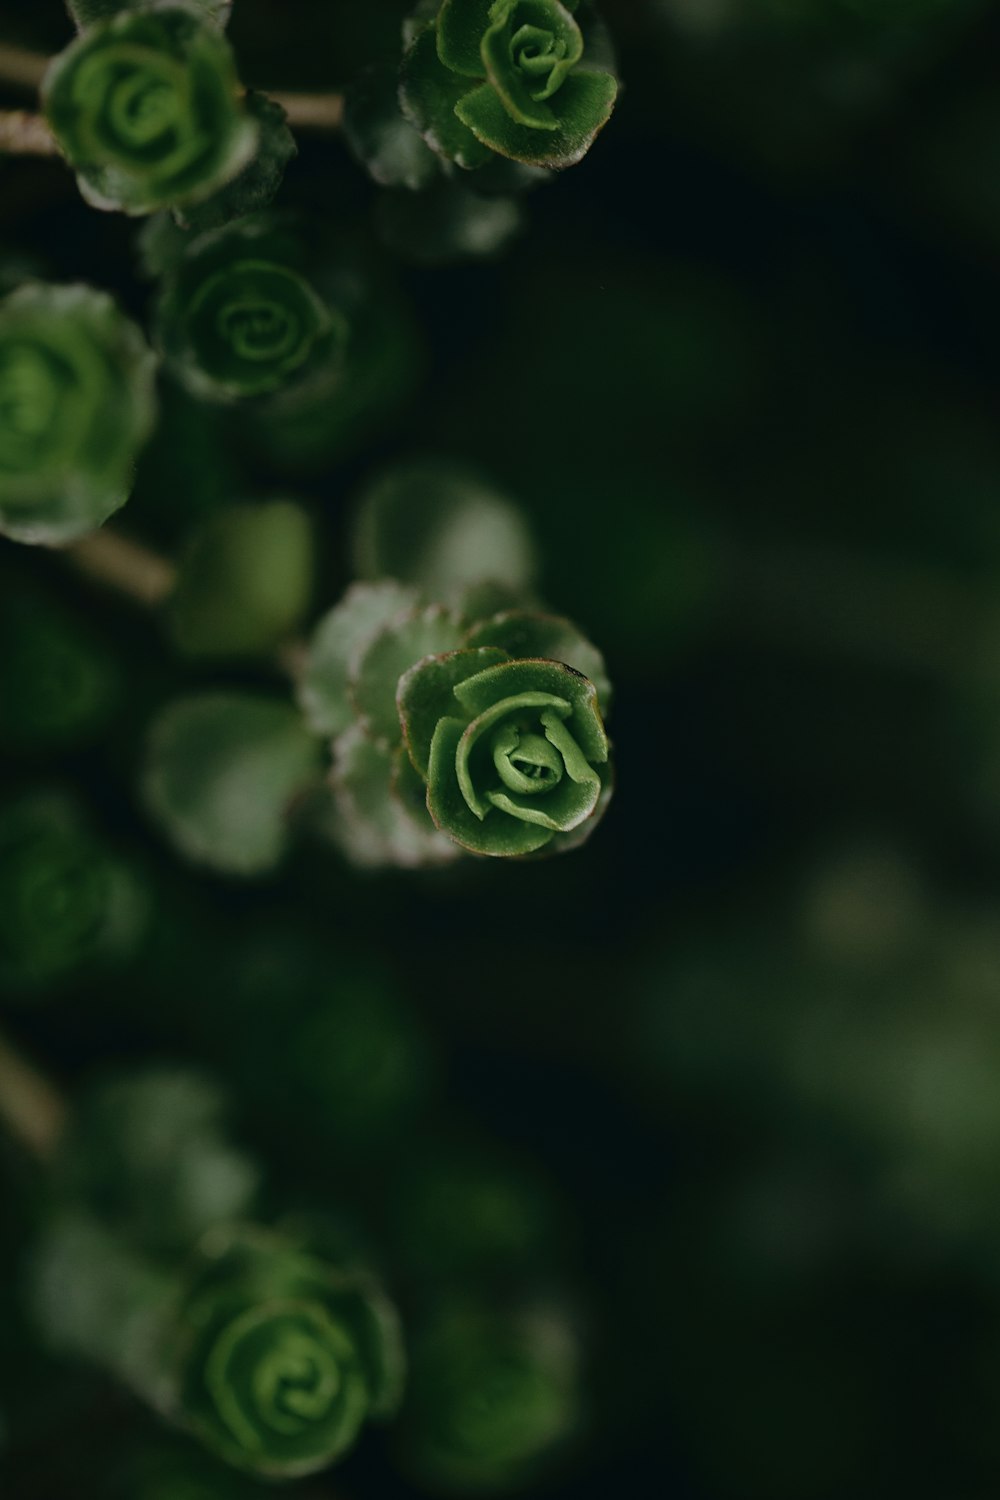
(256, 185)
(582, 106)
(222, 771)
(429, 93)
(380, 823)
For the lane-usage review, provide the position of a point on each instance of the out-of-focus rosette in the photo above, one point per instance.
(282, 1357)
(147, 108)
(494, 1395)
(68, 903)
(77, 404)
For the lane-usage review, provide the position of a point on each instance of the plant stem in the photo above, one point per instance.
(134, 570)
(25, 134)
(30, 1107)
(311, 111)
(21, 69)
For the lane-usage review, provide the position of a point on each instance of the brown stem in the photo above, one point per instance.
(30, 1107)
(25, 134)
(21, 69)
(124, 565)
(311, 111)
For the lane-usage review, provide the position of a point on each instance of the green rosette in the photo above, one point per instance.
(77, 403)
(520, 79)
(148, 110)
(514, 755)
(282, 1357)
(238, 317)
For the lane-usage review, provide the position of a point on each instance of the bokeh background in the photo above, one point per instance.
(724, 1084)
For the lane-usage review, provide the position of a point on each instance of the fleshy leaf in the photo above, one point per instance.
(254, 187)
(379, 824)
(244, 581)
(528, 52)
(426, 694)
(583, 105)
(222, 772)
(429, 94)
(443, 528)
(480, 694)
(498, 835)
(394, 650)
(382, 138)
(338, 642)
(562, 810)
(461, 26)
(522, 632)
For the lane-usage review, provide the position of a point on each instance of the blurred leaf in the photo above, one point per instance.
(86, 12)
(381, 137)
(147, 1154)
(337, 644)
(244, 581)
(447, 222)
(397, 646)
(222, 772)
(376, 824)
(443, 528)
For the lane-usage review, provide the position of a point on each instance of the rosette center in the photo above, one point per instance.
(296, 1382)
(526, 762)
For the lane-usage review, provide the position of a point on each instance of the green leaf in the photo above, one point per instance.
(379, 824)
(522, 632)
(77, 403)
(253, 188)
(583, 105)
(441, 527)
(451, 812)
(147, 108)
(257, 1312)
(382, 138)
(461, 26)
(244, 581)
(337, 644)
(447, 223)
(222, 772)
(528, 52)
(395, 649)
(147, 1153)
(429, 94)
(479, 694)
(426, 694)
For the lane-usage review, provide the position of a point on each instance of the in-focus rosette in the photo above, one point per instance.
(148, 110)
(282, 1356)
(238, 315)
(77, 403)
(514, 753)
(494, 1394)
(529, 80)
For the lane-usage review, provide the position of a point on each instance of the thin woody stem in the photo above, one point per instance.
(21, 69)
(311, 111)
(31, 1108)
(129, 567)
(25, 134)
